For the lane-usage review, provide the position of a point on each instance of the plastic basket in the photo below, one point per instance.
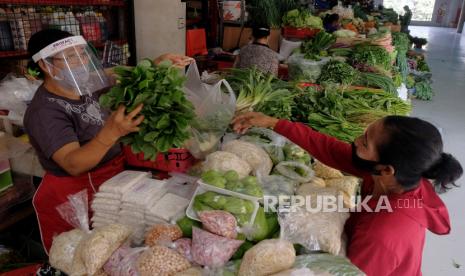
(175, 160)
(202, 188)
(300, 33)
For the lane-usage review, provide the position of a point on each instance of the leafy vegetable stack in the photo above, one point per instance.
(166, 110)
(318, 45)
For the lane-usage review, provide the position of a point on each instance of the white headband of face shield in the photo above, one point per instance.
(59, 46)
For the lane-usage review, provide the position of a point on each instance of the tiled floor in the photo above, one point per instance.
(446, 57)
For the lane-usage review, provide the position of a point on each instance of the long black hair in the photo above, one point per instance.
(40, 40)
(414, 148)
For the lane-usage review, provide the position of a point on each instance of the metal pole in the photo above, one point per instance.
(462, 19)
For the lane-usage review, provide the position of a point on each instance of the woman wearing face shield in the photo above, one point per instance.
(397, 157)
(76, 141)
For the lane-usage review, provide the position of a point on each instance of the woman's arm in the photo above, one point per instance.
(76, 159)
(326, 149)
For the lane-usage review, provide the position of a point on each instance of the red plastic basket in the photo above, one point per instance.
(175, 160)
(301, 33)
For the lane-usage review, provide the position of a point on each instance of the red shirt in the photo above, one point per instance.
(382, 243)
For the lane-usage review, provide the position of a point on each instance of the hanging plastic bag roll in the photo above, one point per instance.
(214, 109)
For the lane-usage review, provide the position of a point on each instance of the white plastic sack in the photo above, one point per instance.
(122, 182)
(214, 109)
(257, 158)
(287, 47)
(304, 69)
(15, 94)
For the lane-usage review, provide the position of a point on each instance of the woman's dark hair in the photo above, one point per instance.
(40, 40)
(260, 31)
(330, 18)
(414, 148)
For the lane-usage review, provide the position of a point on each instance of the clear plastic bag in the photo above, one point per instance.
(184, 247)
(123, 262)
(212, 250)
(269, 140)
(12, 147)
(295, 171)
(15, 94)
(253, 154)
(305, 69)
(327, 264)
(214, 109)
(161, 260)
(277, 185)
(219, 222)
(315, 230)
(162, 233)
(267, 257)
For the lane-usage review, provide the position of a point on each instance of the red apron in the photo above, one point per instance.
(53, 191)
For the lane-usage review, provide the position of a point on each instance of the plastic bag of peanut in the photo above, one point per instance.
(162, 234)
(161, 261)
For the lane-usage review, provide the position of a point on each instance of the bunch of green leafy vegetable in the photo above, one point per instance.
(423, 91)
(262, 92)
(302, 19)
(371, 55)
(410, 81)
(317, 46)
(386, 83)
(166, 110)
(269, 12)
(338, 72)
(360, 13)
(389, 15)
(422, 66)
(400, 41)
(345, 114)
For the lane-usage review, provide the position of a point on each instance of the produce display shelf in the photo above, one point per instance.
(66, 2)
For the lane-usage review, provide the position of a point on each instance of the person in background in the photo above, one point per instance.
(331, 23)
(258, 54)
(401, 160)
(405, 20)
(76, 141)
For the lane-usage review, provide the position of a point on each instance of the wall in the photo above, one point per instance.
(160, 27)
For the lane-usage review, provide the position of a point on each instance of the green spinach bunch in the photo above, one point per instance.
(167, 112)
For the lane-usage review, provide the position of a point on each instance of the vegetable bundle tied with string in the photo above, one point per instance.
(261, 92)
(166, 110)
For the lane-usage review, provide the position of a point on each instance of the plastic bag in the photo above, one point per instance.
(269, 140)
(15, 94)
(11, 147)
(254, 155)
(295, 171)
(123, 262)
(326, 172)
(214, 109)
(62, 251)
(276, 185)
(267, 257)
(304, 69)
(287, 47)
(160, 260)
(162, 233)
(212, 250)
(326, 263)
(184, 247)
(219, 222)
(315, 230)
(223, 161)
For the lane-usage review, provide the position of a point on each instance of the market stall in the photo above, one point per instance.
(203, 209)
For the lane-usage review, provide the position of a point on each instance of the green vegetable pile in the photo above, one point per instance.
(423, 91)
(318, 45)
(372, 55)
(302, 19)
(166, 110)
(389, 15)
(345, 115)
(338, 72)
(230, 181)
(402, 44)
(269, 12)
(261, 92)
(377, 81)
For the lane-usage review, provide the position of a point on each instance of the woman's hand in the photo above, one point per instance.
(119, 124)
(177, 60)
(243, 122)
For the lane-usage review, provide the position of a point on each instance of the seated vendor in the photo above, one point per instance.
(258, 54)
(331, 23)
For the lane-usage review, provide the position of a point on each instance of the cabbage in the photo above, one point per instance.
(254, 155)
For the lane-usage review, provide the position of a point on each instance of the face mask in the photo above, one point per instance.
(363, 164)
(73, 76)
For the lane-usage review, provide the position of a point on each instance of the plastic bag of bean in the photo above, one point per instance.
(219, 222)
(123, 262)
(161, 261)
(184, 247)
(162, 234)
(212, 250)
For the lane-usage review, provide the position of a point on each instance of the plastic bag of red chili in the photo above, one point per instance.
(219, 222)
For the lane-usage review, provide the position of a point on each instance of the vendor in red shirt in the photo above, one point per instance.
(75, 139)
(395, 157)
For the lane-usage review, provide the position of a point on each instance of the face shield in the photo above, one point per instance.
(73, 65)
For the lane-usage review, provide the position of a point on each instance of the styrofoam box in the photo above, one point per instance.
(202, 188)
